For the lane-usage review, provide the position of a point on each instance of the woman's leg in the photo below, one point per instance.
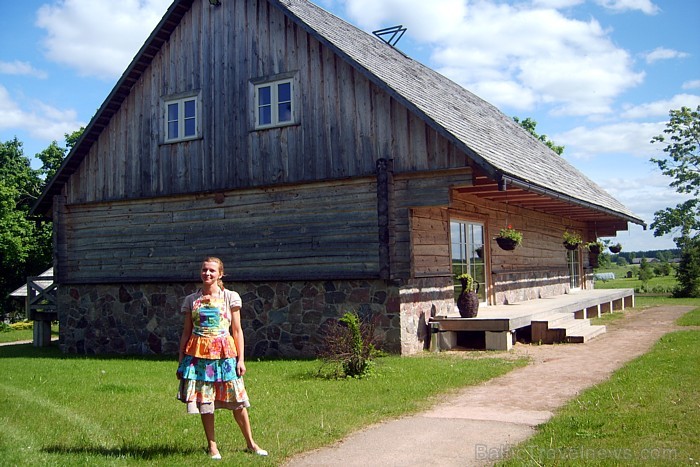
(210, 432)
(241, 416)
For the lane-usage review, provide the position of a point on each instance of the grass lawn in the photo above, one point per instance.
(67, 410)
(646, 413)
(23, 335)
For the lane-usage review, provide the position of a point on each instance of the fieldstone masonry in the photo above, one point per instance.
(278, 318)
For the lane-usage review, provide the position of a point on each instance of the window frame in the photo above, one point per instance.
(180, 101)
(469, 250)
(574, 267)
(273, 83)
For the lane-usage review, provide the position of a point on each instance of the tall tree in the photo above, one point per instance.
(682, 163)
(530, 125)
(25, 247)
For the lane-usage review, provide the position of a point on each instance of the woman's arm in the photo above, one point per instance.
(237, 333)
(186, 333)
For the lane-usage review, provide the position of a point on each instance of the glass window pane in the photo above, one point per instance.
(172, 130)
(264, 96)
(172, 112)
(265, 115)
(284, 112)
(190, 127)
(284, 92)
(190, 109)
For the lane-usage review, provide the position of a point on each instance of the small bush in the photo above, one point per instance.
(22, 325)
(4, 327)
(349, 347)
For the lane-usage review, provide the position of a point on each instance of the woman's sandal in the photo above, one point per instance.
(259, 452)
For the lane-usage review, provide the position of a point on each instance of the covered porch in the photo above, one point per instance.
(562, 318)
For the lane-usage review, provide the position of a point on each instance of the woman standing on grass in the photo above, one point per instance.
(211, 357)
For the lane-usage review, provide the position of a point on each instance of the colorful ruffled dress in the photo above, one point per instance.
(208, 370)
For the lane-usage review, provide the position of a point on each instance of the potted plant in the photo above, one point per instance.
(468, 300)
(571, 240)
(508, 238)
(595, 247)
(615, 248)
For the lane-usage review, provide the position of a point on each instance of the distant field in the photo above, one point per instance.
(658, 284)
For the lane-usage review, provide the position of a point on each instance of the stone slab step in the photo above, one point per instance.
(553, 320)
(585, 334)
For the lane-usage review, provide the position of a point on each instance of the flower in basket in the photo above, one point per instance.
(571, 238)
(615, 248)
(596, 247)
(511, 234)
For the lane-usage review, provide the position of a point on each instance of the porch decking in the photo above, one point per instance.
(562, 318)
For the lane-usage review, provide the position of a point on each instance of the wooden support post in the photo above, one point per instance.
(385, 184)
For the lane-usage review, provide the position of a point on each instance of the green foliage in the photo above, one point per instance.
(529, 125)
(467, 279)
(511, 234)
(682, 163)
(646, 272)
(571, 238)
(621, 261)
(349, 347)
(689, 270)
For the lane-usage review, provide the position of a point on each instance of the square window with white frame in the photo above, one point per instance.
(274, 104)
(181, 119)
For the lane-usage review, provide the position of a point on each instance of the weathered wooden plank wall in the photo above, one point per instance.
(319, 231)
(345, 123)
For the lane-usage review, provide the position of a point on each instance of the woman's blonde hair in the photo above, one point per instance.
(214, 259)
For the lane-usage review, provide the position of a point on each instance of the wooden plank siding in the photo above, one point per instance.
(345, 123)
(298, 201)
(322, 230)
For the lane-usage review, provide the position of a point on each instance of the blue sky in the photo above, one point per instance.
(598, 76)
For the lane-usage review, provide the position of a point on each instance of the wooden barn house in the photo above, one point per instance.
(328, 170)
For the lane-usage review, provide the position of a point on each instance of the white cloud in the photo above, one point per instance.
(39, 120)
(21, 68)
(645, 6)
(503, 53)
(662, 107)
(661, 53)
(98, 38)
(618, 138)
(693, 84)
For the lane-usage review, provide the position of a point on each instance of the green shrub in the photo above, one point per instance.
(4, 327)
(349, 348)
(22, 325)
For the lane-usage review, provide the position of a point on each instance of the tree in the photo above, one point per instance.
(682, 163)
(25, 247)
(53, 156)
(529, 124)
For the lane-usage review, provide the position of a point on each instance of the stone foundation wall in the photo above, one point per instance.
(279, 319)
(421, 299)
(519, 286)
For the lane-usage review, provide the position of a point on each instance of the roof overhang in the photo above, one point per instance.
(523, 194)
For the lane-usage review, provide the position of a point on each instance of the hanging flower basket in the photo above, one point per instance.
(571, 240)
(595, 247)
(507, 244)
(615, 248)
(509, 238)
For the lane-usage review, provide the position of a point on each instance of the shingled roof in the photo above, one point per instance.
(499, 147)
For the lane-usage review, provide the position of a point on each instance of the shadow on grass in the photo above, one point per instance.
(53, 351)
(130, 452)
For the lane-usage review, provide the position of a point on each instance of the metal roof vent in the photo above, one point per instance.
(393, 34)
